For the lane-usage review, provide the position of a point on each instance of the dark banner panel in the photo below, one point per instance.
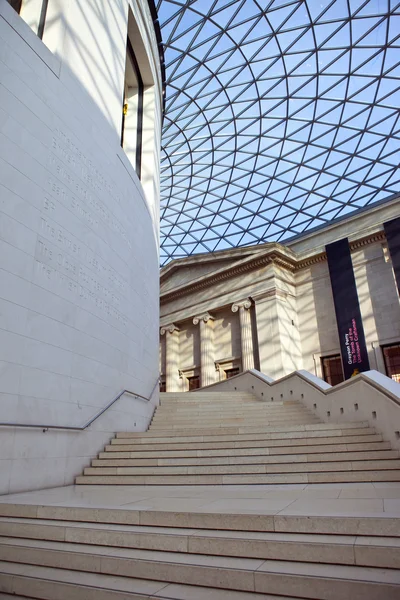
(392, 232)
(347, 308)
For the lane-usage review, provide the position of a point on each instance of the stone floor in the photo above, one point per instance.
(365, 499)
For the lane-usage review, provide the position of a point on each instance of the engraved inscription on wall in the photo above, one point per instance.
(84, 182)
(65, 264)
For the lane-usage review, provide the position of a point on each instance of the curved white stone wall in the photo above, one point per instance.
(78, 236)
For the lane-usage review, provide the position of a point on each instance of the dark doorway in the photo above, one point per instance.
(194, 382)
(332, 369)
(391, 356)
(231, 372)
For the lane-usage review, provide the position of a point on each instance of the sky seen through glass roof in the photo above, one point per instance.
(280, 116)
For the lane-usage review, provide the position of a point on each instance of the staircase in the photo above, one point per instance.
(65, 553)
(85, 551)
(207, 438)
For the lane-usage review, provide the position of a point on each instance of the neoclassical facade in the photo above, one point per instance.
(271, 306)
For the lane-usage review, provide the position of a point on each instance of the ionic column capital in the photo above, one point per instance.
(246, 303)
(203, 317)
(171, 328)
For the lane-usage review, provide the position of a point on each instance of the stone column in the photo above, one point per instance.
(171, 333)
(273, 329)
(246, 335)
(207, 367)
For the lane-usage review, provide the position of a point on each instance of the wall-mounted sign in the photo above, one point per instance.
(347, 308)
(392, 232)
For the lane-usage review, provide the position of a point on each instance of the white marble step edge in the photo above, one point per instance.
(311, 580)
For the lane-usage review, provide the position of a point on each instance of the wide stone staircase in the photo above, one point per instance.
(233, 438)
(88, 551)
(75, 553)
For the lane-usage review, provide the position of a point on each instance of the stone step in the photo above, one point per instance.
(235, 432)
(63, 584)
(206, 396)
(232, 399)
(383, 552)
(243, 479)
(215, 426)
(245, 460)
(266, 434)
(209, 393)
(260, 407)
(286, 429)
(185, 403)
(168, 423)
(182, 436)
(292, 467)
(358, 525)
(310, 580)
(235, 452)
(240, 433)
(278, 403)
(194, 423)
(266, 442)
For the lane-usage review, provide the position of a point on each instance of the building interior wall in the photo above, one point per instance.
(189, 345)
(316, 316)
(226, 335)
(79, 280)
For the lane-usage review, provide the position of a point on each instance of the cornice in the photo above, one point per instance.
(372, 238)
(378, 236)
(272, 257)
(312, 260)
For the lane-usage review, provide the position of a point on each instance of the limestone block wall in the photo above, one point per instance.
(226, 334)
(189, 345)
(79, 285)
(316, 316)
(379, 301)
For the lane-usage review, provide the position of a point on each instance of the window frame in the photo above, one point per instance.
(130, 55)
(18, 6)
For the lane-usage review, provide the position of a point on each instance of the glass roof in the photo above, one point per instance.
(280, 116)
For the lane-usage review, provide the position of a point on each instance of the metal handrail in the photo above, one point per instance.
(97, 415)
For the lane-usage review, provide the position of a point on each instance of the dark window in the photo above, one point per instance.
(16, 4)
(391, 355)
(163, 386)
(231, 372)
(332, 369)
(36, 11)
(194, 382)
(132, 111)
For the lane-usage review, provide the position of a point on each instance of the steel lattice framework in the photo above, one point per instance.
(280, 116)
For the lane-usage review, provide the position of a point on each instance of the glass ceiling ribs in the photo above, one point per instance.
(280, 116)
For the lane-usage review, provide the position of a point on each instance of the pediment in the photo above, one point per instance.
(189, 271)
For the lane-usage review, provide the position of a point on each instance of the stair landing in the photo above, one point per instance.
(347, 499)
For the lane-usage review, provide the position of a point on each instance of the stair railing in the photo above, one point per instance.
(91, 420)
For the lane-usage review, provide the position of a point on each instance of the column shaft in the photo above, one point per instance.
(246, 338)
(172, 382)
(206, 354)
